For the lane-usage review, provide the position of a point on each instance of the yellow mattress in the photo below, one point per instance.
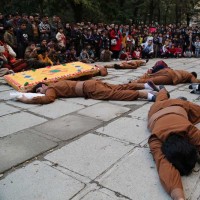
(26, 80)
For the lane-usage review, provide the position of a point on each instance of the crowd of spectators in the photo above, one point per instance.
(34, 41)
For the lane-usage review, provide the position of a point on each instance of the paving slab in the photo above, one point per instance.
(68, 127)
(128, 129)
(178, 93)
(137, 176)
(38, 181)
(142, 112)
(90, 155)
(20, 147)
(17, 122)
(127, 103)
(104, 111)
(82, 101)
(5, 95)
(123, 79)
(20, 104)
(5, 87)
(6, 109)
(56, 109)
(101, 194)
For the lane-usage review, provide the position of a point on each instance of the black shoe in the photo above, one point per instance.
(182, 98)
(153, 86)
(116, 66)
(194, 86)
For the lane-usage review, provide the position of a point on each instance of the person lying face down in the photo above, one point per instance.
(93, 89)
(161, 74)
(133, 64)
(174, 140)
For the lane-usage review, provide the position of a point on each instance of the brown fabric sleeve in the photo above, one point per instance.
(193, 113)
(169, 176)
(49, 97)
(194, 136)
(195, 80)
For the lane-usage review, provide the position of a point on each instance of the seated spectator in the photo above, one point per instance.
(10, 38)
(147, 49)
(137, 54)
(165, 53)
(11, 62)
(43, 57)
(71, 55)
(124, 55)
(31, 56)
(53, 54)
(62, 56)
(106, 55)
(188, 53)
(84, 56)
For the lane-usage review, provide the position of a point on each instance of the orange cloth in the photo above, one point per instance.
(169, 76)
(92, 89)
(162, 128)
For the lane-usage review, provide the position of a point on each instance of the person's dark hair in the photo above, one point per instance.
(180, 153)
(37, 86)
(194, 74)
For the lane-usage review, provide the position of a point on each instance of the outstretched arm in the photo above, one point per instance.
(169, 176)
(49, 97)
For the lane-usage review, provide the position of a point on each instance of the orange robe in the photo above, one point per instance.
(93, 89)
(168, 76)
(162, 128)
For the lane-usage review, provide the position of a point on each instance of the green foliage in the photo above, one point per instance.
(120, 11)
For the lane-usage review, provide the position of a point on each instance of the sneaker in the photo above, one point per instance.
(118, 59)
(114, 59)
(153, 86)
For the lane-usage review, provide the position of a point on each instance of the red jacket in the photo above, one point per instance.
(118, 36)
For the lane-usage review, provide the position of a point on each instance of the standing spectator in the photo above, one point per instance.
(2, 25)
(22, 39)
(35, 26)
(54, 26)
(116, 41)
(44, 28)
(197, 47)
(14, 21)
(60, 36)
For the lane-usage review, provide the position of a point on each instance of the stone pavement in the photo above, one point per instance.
(84, 149)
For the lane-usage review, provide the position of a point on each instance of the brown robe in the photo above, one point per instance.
(93, 89)
(168, 76)
(134, 64)
(162, 128)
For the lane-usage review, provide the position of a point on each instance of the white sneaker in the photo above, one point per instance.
(114, 59)
(118, 59)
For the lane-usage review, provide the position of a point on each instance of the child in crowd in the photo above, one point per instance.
(137, 53)
(124, 54)
(188, 53)
(106, 55)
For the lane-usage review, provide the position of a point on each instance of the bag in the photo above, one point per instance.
(113, 42)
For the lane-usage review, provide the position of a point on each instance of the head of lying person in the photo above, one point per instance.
(179, 152)
(40, 88)
(194, 74)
